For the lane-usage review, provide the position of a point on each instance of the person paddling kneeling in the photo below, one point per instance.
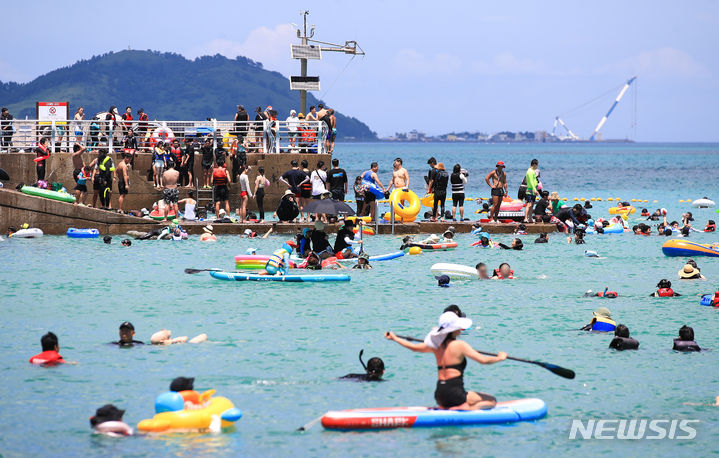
(451, 355)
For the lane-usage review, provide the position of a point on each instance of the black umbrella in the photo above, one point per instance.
(328, 207)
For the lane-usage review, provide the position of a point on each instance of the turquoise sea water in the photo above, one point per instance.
(276, 349)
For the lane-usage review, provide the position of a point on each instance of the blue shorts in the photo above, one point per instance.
(272, 270)
(530, 198)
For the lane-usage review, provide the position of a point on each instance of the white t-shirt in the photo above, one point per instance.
(318, 178)
(292, 123)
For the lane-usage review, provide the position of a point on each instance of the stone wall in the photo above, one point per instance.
(21, 168)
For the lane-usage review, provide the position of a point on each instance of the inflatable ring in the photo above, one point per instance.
(227, 139)
(366, 230)
(619, 210)
(427, 200)
(161, 134)
(366, 219)
(406, 204)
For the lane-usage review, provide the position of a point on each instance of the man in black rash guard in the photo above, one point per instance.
(127, 332)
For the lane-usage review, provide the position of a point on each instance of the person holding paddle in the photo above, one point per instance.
(451, 355)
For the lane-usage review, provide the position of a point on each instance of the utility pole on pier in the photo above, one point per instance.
(307, 49)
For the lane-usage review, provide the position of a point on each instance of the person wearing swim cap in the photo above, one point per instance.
(127, 332)
(374, 369)
(442, 281)
(451, 355)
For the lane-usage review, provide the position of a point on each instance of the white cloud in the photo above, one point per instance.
(658, 63)
(508, 64)
(412, 62)
(271, 46)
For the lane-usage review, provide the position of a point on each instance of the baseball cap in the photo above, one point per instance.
(127, 325)
(500, 164)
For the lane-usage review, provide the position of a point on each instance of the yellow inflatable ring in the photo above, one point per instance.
(619, 210)
(366, 219)
(406, 204)
(428, 200)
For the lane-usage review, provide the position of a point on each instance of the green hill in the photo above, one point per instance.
(168, 86)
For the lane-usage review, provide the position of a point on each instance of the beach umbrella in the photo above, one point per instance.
(328, 207)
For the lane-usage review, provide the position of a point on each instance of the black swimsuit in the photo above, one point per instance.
(451, 392)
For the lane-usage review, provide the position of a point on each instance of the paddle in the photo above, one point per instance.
(197, 271)
(560, 371)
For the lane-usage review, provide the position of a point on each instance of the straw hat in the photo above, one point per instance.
(448, 323)
(688, 271)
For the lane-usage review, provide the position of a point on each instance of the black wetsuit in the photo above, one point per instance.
(451, 392)
(120, 343)
(360, 378)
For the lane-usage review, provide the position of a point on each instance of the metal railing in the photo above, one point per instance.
(254, 136)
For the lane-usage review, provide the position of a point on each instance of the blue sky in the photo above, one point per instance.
(434, 66)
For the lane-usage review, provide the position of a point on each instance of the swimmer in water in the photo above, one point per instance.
(601, 321)
(362, 262)
(127, 332)
(50, 355)
(164, 337)
(108, 420)
(374, 370)
(482, 271)
(451, 355)
(664, 289)
(543, 238)
(503, 272)
(517, 244)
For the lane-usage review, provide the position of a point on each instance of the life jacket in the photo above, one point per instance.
(49, 357)
(602, 324)
(500, 277)
(277, 259)
(104, 166)
(306, 186)
(440, 181)
(176, 154)
(143, 117)
(665, 292)
(710, 228)
(219, 176)
(645, 214)
(608, 294)
(685, 345)
(624, 343)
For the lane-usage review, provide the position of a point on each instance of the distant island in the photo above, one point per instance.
(169, 87)
(539, 136)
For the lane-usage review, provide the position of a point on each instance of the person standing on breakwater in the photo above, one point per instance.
(261, 182)
(337, 181)
(333, 130)
(294, 178)
(221, 181)
(498, 184)
(438, 186)
(43, 153)
(6, 129)
(532, 181)
(170, 193)
(123, 180)
(370, 176)
(400, 176)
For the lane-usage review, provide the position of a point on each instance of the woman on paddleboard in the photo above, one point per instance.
(451, 355)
